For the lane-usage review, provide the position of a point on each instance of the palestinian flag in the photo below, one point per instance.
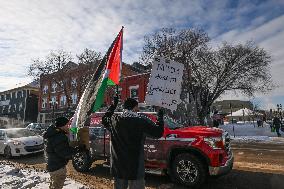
(107, 74)
(112, 72)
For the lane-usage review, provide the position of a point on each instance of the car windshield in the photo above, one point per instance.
(172, 124)
(36, 126)
(17, 133)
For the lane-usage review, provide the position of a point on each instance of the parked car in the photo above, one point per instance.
(187, 154)
(19, 141)
(37, 127)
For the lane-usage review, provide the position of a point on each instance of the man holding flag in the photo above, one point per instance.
(128, 134)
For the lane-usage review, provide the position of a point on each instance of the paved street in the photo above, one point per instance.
(256, 166)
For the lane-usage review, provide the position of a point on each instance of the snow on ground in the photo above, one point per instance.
(249, 132)
(14, 178)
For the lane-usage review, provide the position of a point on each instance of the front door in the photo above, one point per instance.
(154, 152)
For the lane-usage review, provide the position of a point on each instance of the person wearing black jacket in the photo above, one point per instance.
(58, 152)
(128, 134)
(277, 124)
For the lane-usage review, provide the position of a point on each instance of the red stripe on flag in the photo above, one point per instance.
(114, 60)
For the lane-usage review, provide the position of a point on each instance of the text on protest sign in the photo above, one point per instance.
(164, 86)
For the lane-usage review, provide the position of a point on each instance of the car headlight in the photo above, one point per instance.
(16, 142)
(216, 143)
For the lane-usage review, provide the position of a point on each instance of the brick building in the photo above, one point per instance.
(133, 86)
(53, 100)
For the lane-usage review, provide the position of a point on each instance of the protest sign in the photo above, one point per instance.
(164, 85)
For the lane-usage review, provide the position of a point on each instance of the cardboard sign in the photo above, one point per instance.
(164, 86)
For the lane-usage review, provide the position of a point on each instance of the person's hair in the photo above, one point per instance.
(61, 121)
(130, 103)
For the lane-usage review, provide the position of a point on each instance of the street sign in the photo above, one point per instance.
(164, 86)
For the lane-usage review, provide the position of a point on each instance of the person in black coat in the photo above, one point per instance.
(128, 134)
(277, 125)
(58, 152)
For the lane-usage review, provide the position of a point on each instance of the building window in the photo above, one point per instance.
(53, 100)
(13, 95)
(134, 92)
(60, 87)
(53, 87)
(19, 94)
(9, 109)
(20, 106)
(15, 107)
(7, 96)
(45, 89)
(44, 102)
(2, 97)
(74, 82)
(63, 100)
(24, 93)
(74, 98)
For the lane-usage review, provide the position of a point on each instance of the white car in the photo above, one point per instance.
(19, 141)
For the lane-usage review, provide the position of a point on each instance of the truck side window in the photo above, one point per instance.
(96, 132)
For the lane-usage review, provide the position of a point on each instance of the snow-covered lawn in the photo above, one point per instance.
(250, 132)
(14, 178)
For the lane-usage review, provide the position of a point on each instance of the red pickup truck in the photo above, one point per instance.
(187, 154)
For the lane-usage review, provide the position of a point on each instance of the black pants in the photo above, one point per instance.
(277, 131)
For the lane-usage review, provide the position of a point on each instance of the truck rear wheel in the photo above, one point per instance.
(82, 161)
(188, 170)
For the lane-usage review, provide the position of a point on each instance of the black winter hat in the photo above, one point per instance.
(61, 121)
(130, 103)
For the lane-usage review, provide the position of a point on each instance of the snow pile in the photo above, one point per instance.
(14, 178)
(249, 132)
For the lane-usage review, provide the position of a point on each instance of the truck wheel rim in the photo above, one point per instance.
(187, 171)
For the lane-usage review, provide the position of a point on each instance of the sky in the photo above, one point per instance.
(30, 29)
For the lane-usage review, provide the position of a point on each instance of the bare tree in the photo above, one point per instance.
(88, 62)
(56, 64)
(209, 73)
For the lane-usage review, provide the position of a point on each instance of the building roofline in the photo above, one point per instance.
(145, 73)
(22, 87)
